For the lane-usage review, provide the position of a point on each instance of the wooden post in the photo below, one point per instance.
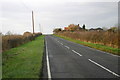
(33, 21)
(40, 28)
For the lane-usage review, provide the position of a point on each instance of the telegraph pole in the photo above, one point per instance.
(33, 21)
(40, 28)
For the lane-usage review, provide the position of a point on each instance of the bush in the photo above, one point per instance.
(11, 41)
(104, 37)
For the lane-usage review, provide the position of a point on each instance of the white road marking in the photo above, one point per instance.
(61, 43)
(104, 68)
(48, 64)
(67, 47)
(76, 52)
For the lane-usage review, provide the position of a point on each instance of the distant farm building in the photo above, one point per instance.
(96, 29)
(72, 27)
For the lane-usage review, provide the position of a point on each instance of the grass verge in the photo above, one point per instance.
(115, 51)
(24, 61)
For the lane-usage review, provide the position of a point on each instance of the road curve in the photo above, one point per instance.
(65, 59)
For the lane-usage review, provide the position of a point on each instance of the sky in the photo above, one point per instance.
(15, 15)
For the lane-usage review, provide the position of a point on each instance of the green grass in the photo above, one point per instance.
(24, 61)
(115, 51)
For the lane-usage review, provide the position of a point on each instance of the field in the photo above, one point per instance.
(24, 61)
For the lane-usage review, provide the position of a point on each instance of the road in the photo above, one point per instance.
(65, 59)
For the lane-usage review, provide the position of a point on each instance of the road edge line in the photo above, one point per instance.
(48, 65)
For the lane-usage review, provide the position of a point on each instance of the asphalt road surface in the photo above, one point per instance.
(65, 59)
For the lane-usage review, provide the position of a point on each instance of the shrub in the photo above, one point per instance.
(11, 41)
(104, 37)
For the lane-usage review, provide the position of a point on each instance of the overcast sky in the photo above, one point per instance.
(15, 15)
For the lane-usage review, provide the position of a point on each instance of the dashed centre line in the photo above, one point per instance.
(67, 47)
(76, 52)
(94, 62)
(61, 43)
(97, 64)
(104, 68)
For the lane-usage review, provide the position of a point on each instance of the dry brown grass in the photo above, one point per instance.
(11, 41)
(104, 37)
